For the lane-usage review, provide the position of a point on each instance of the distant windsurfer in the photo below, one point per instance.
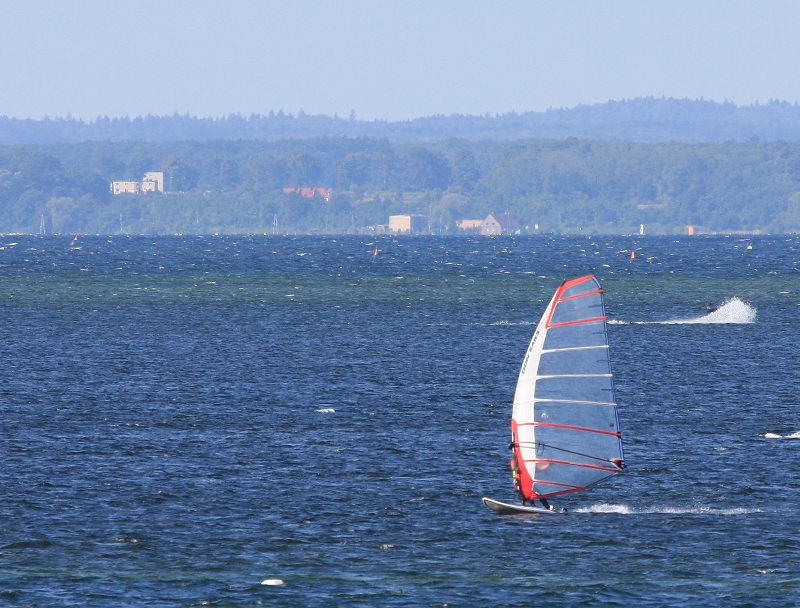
(711, 307)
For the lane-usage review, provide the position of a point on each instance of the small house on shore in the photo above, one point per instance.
(497, 224)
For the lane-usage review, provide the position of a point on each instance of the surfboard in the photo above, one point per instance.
(504, 508)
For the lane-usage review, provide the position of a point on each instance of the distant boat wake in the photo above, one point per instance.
(625, 510)
(732, 311)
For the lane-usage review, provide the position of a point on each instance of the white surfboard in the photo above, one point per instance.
(504, 508)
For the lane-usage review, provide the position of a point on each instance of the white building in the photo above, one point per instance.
(152, 181)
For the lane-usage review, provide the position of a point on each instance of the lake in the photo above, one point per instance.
(294, 421)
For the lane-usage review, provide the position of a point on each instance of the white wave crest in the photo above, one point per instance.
(795, 435)
(326, 410)
(508, 323)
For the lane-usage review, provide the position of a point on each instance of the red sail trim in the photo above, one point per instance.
(525, 479)
(576, 322)
(574, 464)
(572, 283)
(564, 287)
(581, 295)
(561, 484)
(573, 428)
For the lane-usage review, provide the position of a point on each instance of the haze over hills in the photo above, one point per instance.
(636, 120)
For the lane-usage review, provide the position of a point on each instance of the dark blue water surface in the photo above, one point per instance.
(186, 418)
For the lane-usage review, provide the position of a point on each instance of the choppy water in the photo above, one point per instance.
(283, 421)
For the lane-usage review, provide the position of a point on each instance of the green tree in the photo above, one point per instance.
(304, 169)
(180, 175)
(62, 211)
(425, 170)
(355, 170)
(465, 170)
(265, 171)
(223, 173)
(446, 211)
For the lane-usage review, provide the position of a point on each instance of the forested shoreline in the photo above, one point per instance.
(564, 186)
(561, 184)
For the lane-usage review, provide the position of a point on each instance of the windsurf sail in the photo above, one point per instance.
(564, 427)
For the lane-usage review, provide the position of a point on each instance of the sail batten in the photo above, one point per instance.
(546, 376)
(532, 401)
(575, 322)
(574, 428)
(564, 402)
(572, 349)
(574, 464)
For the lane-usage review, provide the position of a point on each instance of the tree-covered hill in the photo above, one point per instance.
(561, 185)
(638, 120)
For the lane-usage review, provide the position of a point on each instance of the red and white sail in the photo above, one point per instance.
(565, 428)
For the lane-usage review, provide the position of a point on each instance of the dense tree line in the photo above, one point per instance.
(641, 120)
(566, 185)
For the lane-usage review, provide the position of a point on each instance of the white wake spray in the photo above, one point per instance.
(795, 435)
(731, 311)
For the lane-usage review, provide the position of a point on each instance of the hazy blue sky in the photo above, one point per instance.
(387, 59)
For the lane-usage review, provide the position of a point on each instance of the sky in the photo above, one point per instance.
(387, 59)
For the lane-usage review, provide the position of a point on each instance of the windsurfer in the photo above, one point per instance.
(512, 464)
(515, 473)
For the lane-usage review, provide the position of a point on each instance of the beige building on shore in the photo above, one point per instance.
(408, 224)
(469, 225)
(152, 181)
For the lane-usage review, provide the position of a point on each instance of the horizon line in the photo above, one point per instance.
(353, 116)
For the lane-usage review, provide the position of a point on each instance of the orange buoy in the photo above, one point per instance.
(633, 255)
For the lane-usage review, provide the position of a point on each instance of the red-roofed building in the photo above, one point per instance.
(310, 192)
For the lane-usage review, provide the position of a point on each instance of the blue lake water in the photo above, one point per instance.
(286, 421)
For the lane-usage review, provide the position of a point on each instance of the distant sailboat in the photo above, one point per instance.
(565, 432)
(41, 225)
